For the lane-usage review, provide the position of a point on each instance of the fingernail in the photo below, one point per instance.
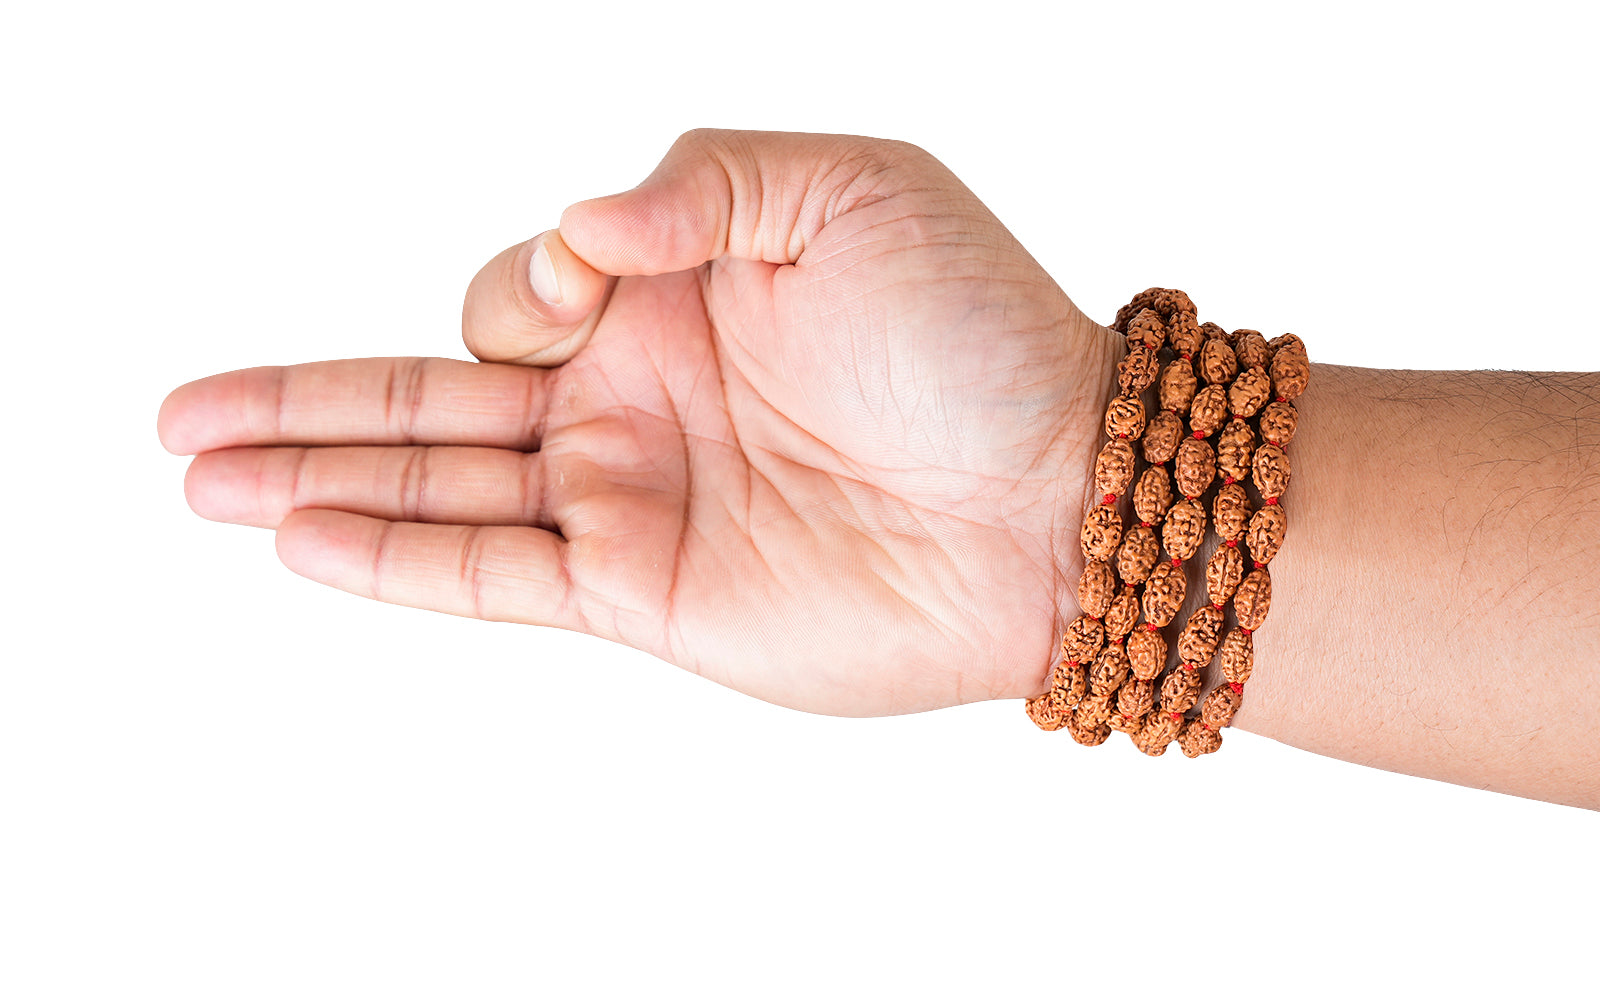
(542, 276)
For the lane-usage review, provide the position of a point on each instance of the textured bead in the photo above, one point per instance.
(1082, 639)
(1209, 411)
(1134, 700)
(1137, 370)
(1268, 527)
(1194, 467)
(1068, 683)
(1183, 333)
(1279, 421)
(1145, 329)
(1249, 392)
(1122, 614)
(1177, 386)
(1218, 365)
(1088, 735)
(1152, 496)
(1096, 587)
(1109, 670)
(1138, 554)
(1196, 739)
(1113, 469)
(1253, 599)
(1290, 371)
(1237, 655)
(1163, 593)
(1159, 730)
(1147, 654)
(1218, 708)
(1230, 511)
(1270, 470)
(1093, 711)
(1251, 349)
(1102, 533)
(1234, 448)
(1180, 690)
(1286, 342)
(1161, 437)
(1198, 640)
(1184, 529)
(1224, 570)
(1125, 417)
(1045, 714)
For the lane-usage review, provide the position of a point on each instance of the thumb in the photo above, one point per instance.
(751, 195)
(535, 303)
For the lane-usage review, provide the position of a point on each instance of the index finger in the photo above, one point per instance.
(363, 401)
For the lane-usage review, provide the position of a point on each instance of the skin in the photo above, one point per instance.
(798, 414)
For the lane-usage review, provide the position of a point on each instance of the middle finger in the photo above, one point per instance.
(441, 485)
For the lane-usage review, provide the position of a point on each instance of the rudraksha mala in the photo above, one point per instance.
(1224, 413)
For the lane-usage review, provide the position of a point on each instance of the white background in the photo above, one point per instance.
(220, 780)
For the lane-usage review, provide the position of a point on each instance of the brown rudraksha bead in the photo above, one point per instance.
(1138, 554)
(1177, 387)
(1134, 700)
(1137, 370)
(1113, 469)
(1184, 529)
(1161, 437)
(1279, 421)
(1146, 330)
(1102, 533)
(1253, 599)
(1209, 410)
(1195, 466)
(1224, 570)
(1152, 495)
(1230, 511)
(1218, 365)
(1163, 593)
(1082, 639)
(1198, 640)
(1198, 738)
(1237, 656)
(1270, 471)
(1234, 449)
(1122, 614)
(1147, 653)
(1125, 418)
(1250, 392)
(1251, 349)
(1180, 690)
(1266, 532)
(1096, 587)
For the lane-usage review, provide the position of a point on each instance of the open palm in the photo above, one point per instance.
(825, 441)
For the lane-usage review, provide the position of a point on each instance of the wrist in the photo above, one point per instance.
(1067, 494)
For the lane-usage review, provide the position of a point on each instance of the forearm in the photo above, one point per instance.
(1435, 608)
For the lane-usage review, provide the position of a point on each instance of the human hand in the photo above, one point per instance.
(827, 440)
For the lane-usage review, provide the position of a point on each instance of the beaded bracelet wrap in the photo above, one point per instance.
(1224, 413)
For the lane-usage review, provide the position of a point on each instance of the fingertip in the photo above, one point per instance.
(199, 489)
(561, 279)
(171, 427)
(533, 303)
(317, 544)
(229, 486)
